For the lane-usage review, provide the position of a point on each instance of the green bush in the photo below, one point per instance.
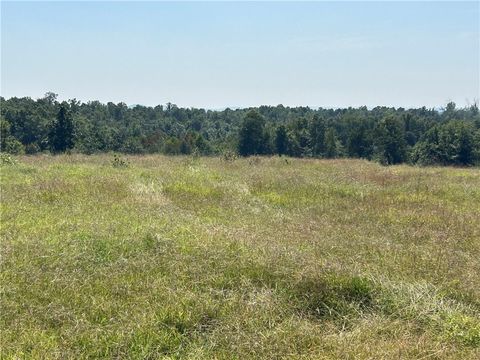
(13, 146)
(119, 162)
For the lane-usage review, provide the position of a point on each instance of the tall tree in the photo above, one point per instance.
(281, 140)
(252, 137)
(358, 141)
(317, 135)
(390, 144)
(330, 143)
(62, 132)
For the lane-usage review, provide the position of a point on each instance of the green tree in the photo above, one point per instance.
(172, 146)
(358, 143)
(317, 135)
(299, 138)
(252, 136)
(281, 140)
(390, 144)
(13, 146)
(62, 132)
(451, 143)
(464, 143)
(427, 151)
(4, 132)
(330, 143)
(9, 143)
(202, 146)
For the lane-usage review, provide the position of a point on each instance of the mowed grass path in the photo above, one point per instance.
(199, 258)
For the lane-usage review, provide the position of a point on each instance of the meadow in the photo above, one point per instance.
(147, 257)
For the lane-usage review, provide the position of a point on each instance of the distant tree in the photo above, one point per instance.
(13, 146)
(185, 147)
(357, 141)
(330, 143)
(293, 147)
(449, 111)
(252, 137)
(132, 145)
(9, 143)
(172, 146)
(464, 143)
(476, 147)
(317, 135)
(427, 151)
(299, 138)
(62, 131)
(451, 143)
(390, 144)
(281, 140)
(449, 136)
(50, 97)
(202, 146)
(4, 132)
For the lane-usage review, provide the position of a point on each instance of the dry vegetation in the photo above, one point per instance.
(171, 257)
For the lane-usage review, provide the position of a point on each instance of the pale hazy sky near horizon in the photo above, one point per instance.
(233, 54)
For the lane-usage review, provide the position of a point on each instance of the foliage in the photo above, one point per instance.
(454, 142)
(389, 135)
(7, 159)
(252, 136)
(61, 134)
(229, 156)
(12, 146)
(281, 140)
(330, 143)
(390, 144)
(119, 162)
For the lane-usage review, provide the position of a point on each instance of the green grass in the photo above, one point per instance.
(200, 258)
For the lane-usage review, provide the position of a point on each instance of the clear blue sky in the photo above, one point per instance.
(243, 54)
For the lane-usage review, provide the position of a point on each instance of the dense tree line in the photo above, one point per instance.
(450, 136)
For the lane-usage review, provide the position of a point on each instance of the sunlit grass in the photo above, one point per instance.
(182, 257)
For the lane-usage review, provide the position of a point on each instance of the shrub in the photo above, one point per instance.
(119, 162)
(229, 156)
(7, 159)
(13, 146)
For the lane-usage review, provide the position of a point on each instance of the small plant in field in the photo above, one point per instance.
(254, 160)
(196, 153)
(191, 159)
(7, 159)
(229, 156)
(119, 162)
(462, 328)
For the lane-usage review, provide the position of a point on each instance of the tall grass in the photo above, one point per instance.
(178, 257)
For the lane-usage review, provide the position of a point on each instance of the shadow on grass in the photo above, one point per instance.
(334, 297)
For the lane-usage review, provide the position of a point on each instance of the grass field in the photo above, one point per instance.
(178, 257)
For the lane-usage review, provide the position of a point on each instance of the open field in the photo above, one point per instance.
(181, 257)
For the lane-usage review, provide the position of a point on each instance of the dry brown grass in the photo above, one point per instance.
(177, 257)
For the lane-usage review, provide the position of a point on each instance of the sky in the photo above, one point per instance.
(239, 54)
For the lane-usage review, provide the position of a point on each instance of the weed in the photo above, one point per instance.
(229, 156)
(7, 159)
(119, 162)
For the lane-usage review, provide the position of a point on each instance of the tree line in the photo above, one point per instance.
(449, 136)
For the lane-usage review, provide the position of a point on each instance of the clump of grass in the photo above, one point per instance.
(449, 320)
(119, 162)
(229, 156)
(254, 160)
(7, 159)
